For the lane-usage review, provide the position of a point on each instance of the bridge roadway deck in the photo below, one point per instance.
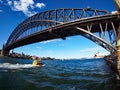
(66, 29)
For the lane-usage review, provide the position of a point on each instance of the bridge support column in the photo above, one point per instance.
(117, 3)
(118, 60)
(118, 51)
(3, 51)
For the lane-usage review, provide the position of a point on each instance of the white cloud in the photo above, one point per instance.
(54, 40)
(0, 10)
(90, 49)
(9, 2)
(94, 50)
(1, 1)
(25, 6)
(39, 47)
(40, 5)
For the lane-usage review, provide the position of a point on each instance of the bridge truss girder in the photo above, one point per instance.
(100, 28)
(106, 35)
(51, 18)
(99, 40)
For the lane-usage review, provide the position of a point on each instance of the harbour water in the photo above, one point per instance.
(89, 74)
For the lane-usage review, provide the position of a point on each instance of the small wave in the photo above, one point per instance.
(118, 77)
(15, 66)
(43, 65)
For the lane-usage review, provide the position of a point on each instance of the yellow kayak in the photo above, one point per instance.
(37, 63)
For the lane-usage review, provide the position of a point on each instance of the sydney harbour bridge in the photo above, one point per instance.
(99, 26)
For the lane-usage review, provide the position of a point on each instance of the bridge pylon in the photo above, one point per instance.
(118, 50)
(117, 3)
(3, 50)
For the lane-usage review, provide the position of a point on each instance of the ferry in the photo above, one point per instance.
(98, 55)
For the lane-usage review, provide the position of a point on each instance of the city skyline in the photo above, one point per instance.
(13, 12)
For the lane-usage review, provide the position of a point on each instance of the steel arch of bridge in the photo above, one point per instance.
(96, 25)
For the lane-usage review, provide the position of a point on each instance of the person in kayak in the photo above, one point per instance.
(37, 62)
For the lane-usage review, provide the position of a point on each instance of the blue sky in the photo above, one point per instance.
(13, 12)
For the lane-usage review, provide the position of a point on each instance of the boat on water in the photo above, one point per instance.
(37, 63)
(99, 55)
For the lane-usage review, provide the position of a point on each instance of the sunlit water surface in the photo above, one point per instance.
(90, 74)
